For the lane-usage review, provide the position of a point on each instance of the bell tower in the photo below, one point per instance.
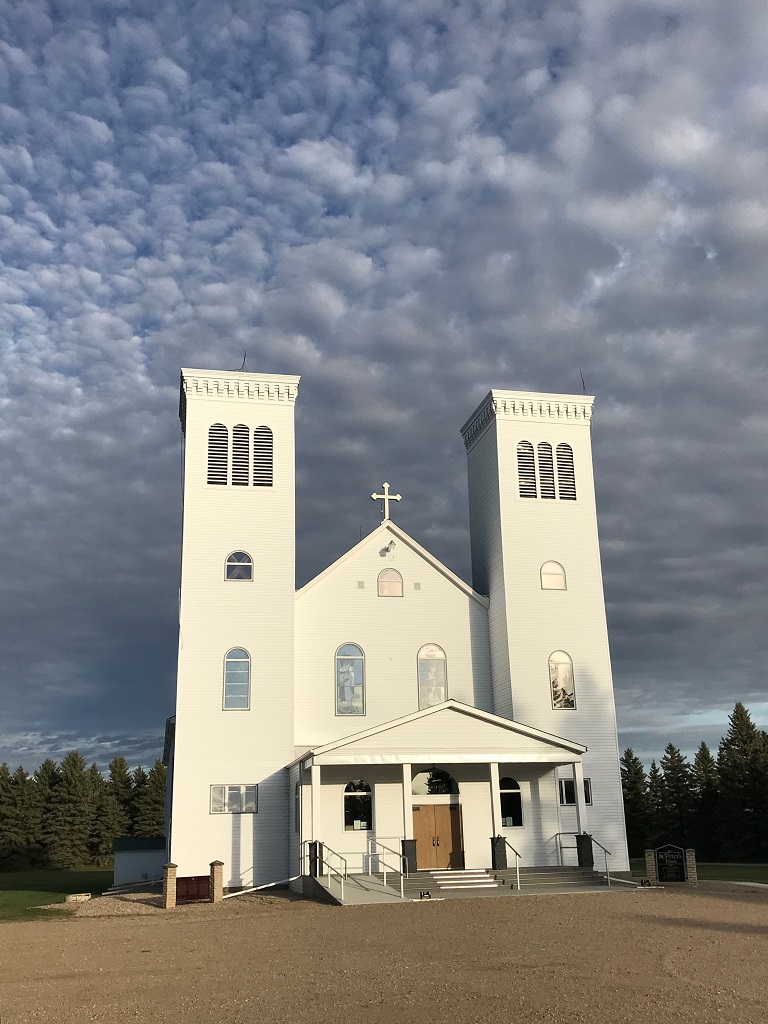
(234, 698)
(535, 553)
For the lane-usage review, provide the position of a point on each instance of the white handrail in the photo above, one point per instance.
(341, 874)
(385, 866)
(517, 860)
(607, 855)
(403, 872)
(597, 842)
(401, 856)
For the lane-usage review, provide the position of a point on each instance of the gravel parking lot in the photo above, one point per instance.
(661, 956)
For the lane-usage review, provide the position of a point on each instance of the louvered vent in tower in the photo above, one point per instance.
(240, 438)
(262, 457)
(566, 478)
(218, 443)
(546, 470)
(526, 470)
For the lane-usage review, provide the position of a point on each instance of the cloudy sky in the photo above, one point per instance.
(407, 203)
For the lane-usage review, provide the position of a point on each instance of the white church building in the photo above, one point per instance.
(388, 703)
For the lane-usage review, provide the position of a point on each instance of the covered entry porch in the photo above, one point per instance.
(450, 787)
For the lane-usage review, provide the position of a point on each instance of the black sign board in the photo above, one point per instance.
(670, 863)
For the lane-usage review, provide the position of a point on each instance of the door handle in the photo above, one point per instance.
(437, 843)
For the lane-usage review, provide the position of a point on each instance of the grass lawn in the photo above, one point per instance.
(22, 892)
(718, 872)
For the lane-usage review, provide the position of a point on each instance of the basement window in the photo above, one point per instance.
(234, 799)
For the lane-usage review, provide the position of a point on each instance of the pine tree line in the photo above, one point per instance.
(719, 805)
(66, 815)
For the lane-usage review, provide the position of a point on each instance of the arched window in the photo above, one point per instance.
(511, 803)
(358, 806)
(240, 446)
(433, 783)
(239, 566)
(350, 680)
(218, 453)
(526, 470)
(561, 681)
(390, 583)
(552, 576)
(566, 478)
(262, 457)
(546, 470)
(237, 680)
(433, 688)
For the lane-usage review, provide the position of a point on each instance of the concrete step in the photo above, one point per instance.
(464, 879)
(488, 882)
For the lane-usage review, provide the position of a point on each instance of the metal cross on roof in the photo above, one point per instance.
(386, 497)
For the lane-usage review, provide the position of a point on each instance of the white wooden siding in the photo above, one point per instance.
(390, 631)
(509, 548)
(488, 560)
(213, 746)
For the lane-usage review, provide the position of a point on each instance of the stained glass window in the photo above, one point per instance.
(350, 680)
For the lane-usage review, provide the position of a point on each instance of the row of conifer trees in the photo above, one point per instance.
(66, 815)
(717, 805)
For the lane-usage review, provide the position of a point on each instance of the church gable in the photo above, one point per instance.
(386, 549)
(384, 631)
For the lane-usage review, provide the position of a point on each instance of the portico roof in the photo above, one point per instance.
(450, 732)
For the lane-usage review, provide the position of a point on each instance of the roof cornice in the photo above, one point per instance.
(528, 406)
(217, 384)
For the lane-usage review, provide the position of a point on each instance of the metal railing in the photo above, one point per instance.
(258, 888)
(517, 860)
(607, 855)
(558, 836)
(323, 852)
(403, 871)
(340, 872)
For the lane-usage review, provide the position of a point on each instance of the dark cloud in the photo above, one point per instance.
(407, 204)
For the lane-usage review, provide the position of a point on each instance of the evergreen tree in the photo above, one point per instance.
(122, 789)
(676, 799)
(46, 780)
(67, 825)
(28, 812)
(139, 783)
(109, 819)
(743, 768)
(705, 805)
(634, 785)
(14, 830)
(655, 802)
(150, 806)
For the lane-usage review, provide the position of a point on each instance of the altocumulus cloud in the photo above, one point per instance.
(408, 204)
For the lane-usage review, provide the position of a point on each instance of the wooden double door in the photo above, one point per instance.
(437, 831)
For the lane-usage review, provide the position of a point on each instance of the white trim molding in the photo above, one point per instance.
(526, 406)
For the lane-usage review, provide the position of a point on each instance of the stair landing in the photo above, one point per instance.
(482, 882)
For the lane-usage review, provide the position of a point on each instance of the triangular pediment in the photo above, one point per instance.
(449, 732)
(385, 533)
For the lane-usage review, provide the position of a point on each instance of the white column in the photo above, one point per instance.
(493, 771)
(581, 806)
(407, 803)
(314, 789)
